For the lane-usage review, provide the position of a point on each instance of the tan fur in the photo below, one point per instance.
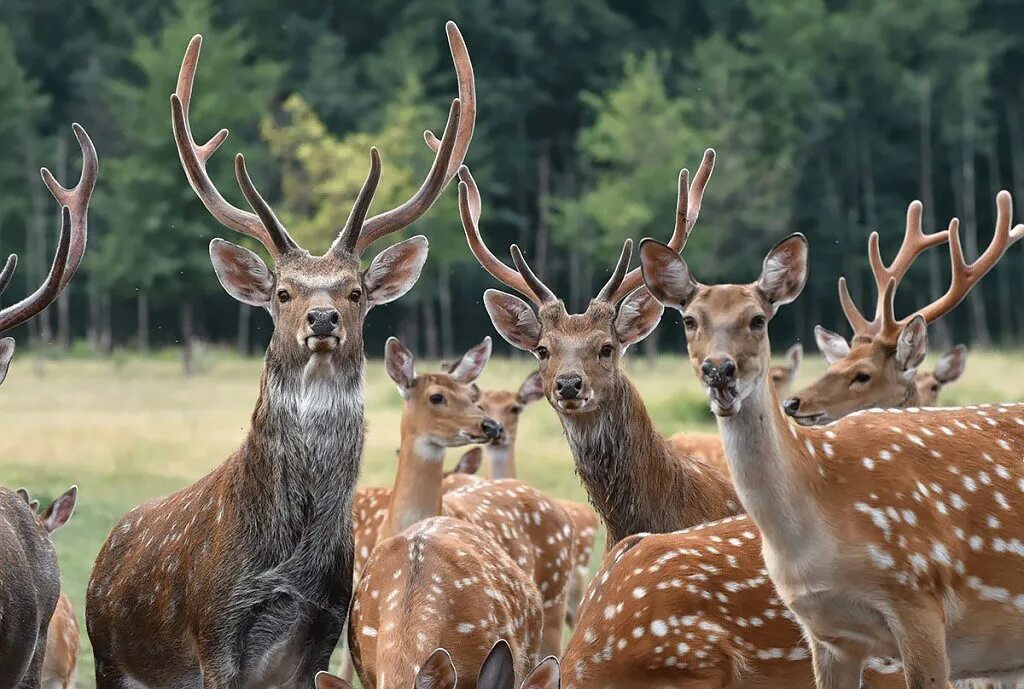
(62, 642)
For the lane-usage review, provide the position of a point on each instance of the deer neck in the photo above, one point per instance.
(501, 460)
(633, 477)
(417, 491)
(774, 468)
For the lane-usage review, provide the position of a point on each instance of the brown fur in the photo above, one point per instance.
(62, 642)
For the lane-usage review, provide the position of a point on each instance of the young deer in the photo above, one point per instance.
(947, 370)
(890, 531)
(62, 644)
(440, 411)
(878, 368)
(244, 578)
(619, 454)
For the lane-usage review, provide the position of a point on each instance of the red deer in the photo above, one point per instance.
(243, 579)
(888, 532)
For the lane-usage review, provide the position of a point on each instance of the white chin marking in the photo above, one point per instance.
(573, 405)
(723, 402)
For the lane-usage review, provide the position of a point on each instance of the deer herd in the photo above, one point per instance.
(851, 533)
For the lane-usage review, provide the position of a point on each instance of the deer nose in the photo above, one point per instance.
(491, 428)
(718, 373)
(322, 322)
(568, 385)
(791, 406)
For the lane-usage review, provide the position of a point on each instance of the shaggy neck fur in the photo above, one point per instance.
(635, 481)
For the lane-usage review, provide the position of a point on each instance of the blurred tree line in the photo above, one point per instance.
(828, 118)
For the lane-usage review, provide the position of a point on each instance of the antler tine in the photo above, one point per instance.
(856, 319)
(278, 234)
(618, 274)
(451, 150)
(7, 274)
(194, 158)
(77, 200)
(469, 211)
(688, 202)
(28, 307)
(542, 291)
(965, 276)
(346, 241)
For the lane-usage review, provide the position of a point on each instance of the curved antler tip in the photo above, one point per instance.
(710, 153)
(197, 39)
(628, 244)
(450, 25)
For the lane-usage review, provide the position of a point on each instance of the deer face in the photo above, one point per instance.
(318, 303)
(949, 368)
(726, 325)
(783, 375)
(440, 408)
(505, 406)
(579, 355)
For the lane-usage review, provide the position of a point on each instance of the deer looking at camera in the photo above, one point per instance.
(619, 454)
(243, 579)
(888, 532)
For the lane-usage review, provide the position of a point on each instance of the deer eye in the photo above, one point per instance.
(516, 410)
(356, 295)
(689, 322)
(607, 351)
(758, 323)
(935, 387)
(862, 377)
(283, 296)
(436, 398)
(542, 353)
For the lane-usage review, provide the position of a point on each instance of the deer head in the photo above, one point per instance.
(319, 303)
(506, 406)
(74, 234)
(727, 325)
(440, 409)
(579, 354)
(948, 369)
(878, 367)
(784, 375)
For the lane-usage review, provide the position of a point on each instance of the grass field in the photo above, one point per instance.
(129, 429)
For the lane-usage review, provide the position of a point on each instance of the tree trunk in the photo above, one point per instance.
(244, 319)
(1016, 132)
(38, 243)
(1002, 278)
(941, 335)
(93, 327)
(188, 364)
(106, 324)
(142, 319)
(64, 300)
(542, 230)
(444, 302)
(431, 348)
(976, 299)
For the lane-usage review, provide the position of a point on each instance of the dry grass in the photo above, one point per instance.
(130, 429)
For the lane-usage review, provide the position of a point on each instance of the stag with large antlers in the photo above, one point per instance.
(243, 579)
(619, 454)
(888, 532)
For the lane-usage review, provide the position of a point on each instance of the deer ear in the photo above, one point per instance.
(795, 356)
(6, 354)
(467, 369)
(513, 318)
(784, 272)
(912, 345)
(325, 680)
(547, 675)
(666, 274)
(438, 672)
(400, 364)
(638, 316)
(23, 494)
(498, 670)
(395, 270)
(58, 513)
(951, 365)
(532, 389)
(470, 462)
(831, 345)
(242, 273)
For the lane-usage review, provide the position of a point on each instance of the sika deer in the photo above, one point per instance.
(947, 370)
(62, 644)
(890, 531)
(244, 578)
(633, 476)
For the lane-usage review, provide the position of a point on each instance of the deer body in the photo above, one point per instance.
(62, 645)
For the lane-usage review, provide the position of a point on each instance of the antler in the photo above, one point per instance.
(451, 152)
(263, 225)
(688, 203)
(74, 235)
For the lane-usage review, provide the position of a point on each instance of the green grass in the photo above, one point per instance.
(128, 429)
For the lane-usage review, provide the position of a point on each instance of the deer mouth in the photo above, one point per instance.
(573, 403)
(724, 399)
(812, 419)
(322, 344)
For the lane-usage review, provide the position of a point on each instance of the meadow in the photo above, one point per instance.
(127, 429)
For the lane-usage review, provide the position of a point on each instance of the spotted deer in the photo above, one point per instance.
(634, 477)
(888, 532)
(439, 410)
(244, 578)
(948, 369)
(62, 645)
(878, 367)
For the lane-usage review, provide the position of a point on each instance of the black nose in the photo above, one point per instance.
(322, 322)
(568, 385)
(718, 373)
(791, 406)
(491, 428)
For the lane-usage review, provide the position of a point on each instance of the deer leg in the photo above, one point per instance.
(551, 634)
(837, 666)
(920, 632)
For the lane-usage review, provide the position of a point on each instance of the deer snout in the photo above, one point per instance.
(491, 428)
(718, 373)
(568, 385)
(323, 322)
(791, 406)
